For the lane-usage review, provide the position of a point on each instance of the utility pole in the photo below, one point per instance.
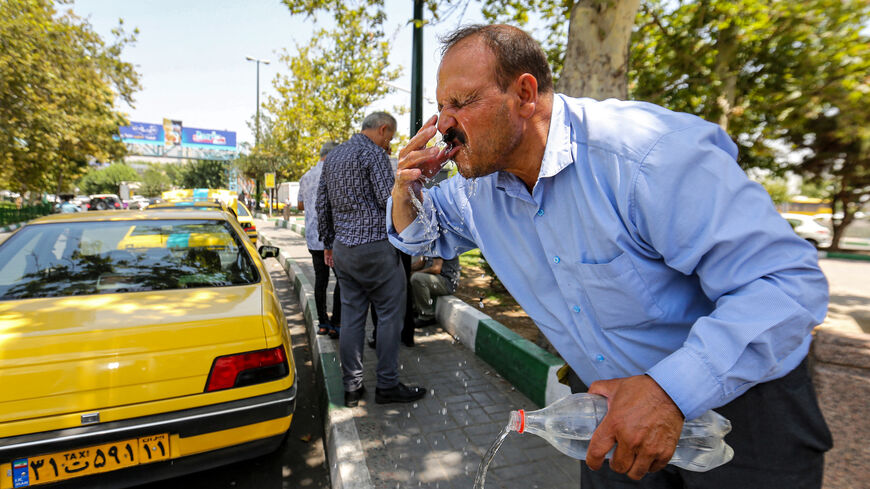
(257, 122)
(417, 70)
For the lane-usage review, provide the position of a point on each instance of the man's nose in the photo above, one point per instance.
(445, 121)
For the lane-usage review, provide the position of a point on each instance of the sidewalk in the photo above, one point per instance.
(439, 441)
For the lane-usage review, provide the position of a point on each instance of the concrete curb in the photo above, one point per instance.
(11, 227)
(843, 256)
(344, 450)
(530, 369)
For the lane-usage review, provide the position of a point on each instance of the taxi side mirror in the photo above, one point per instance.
(268, 251)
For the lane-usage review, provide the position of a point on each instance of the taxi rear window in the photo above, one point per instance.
(84, 258)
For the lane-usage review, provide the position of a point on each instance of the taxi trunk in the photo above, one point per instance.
(62, 358)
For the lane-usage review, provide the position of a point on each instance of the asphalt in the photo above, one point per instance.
(437, 442)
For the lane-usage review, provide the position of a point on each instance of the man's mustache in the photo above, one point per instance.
(454, 137)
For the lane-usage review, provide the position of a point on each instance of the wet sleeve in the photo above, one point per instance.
(440, 228)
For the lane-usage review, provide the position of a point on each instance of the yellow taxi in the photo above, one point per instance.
(137, 346)
(246, 220)
(235, 207)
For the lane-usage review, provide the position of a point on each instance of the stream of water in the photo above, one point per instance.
(480, 478)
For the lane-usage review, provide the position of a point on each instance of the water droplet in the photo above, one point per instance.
(431, 392)
(443, 411)
(414, 405)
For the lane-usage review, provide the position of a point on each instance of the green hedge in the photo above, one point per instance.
(12, 215)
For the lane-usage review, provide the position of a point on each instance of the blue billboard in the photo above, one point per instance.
(208, 138)
(142, 132)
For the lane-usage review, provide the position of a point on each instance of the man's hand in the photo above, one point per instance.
(416, 161)
(327, 258)
(642, 420)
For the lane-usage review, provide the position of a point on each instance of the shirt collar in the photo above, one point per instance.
(557, 152)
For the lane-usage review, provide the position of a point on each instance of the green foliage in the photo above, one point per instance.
(817, 189)
(154, 182)
(330, 83)
(204, 174)
(777, 189)
(107, 180)
(749, 65)
(58, 85)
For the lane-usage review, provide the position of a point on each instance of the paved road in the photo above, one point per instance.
(299, 463)
(849, 308)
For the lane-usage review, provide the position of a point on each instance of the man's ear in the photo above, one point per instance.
(526, 88)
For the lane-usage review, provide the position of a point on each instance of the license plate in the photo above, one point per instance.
(96, 459)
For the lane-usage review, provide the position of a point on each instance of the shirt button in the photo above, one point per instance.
(556, 259)
(576, 308)
(599, 358)
(540, 212)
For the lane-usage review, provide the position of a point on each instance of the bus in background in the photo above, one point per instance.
(806, 205)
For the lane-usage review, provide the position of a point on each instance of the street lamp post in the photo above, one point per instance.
(257, 122)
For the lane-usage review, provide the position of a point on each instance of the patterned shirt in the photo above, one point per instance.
(352, 196)
(308, 185)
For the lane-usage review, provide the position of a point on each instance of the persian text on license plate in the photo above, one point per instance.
(58, 466)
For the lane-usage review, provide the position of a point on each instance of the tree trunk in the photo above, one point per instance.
(840, 228)
(596, 59)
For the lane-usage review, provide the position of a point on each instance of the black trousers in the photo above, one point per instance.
(778, 435)
(321, 282)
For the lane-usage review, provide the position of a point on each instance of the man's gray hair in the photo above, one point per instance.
(378, 119)
(327, 147)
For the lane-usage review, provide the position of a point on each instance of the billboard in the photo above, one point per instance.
(172, 130)
(142, 132)
(208, 138)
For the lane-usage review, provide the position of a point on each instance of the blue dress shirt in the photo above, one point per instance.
(643, 248)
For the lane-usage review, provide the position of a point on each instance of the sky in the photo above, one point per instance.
(191, 55)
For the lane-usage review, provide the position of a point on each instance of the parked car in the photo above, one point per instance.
(246, 220)
(137, 202)
(809, 229)
(102, 202)
(137, 346)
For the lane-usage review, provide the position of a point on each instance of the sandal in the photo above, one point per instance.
(334, 332)
(322, 329)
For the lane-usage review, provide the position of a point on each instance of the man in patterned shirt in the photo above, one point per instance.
(307, 202)
(355, 184)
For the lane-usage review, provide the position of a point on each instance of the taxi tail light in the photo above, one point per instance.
(247, 369)
(249, 227)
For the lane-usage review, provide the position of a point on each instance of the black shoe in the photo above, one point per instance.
(422, 322)
(351, 398)
(399, 393)
(335, 332)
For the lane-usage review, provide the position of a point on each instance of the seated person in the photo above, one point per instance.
(432, 277)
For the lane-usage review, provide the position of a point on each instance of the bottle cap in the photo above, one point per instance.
(517, 421)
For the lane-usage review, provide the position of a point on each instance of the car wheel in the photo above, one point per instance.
(813, 242)
(101, 206)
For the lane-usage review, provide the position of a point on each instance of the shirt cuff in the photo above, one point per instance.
(689, 382)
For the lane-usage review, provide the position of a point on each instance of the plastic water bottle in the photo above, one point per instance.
(568, 425)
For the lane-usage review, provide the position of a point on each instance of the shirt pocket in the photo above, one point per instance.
(617, 294)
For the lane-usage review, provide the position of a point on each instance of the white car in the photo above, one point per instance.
(809, 228)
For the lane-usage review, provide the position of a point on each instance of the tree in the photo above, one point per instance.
(204, 174)
(586, 41)
(752, 66)
(107, 180)
(154, 182)
(58, 85)
(330, 83)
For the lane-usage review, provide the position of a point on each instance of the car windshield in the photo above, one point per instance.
(84, 258)
(242, 211)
